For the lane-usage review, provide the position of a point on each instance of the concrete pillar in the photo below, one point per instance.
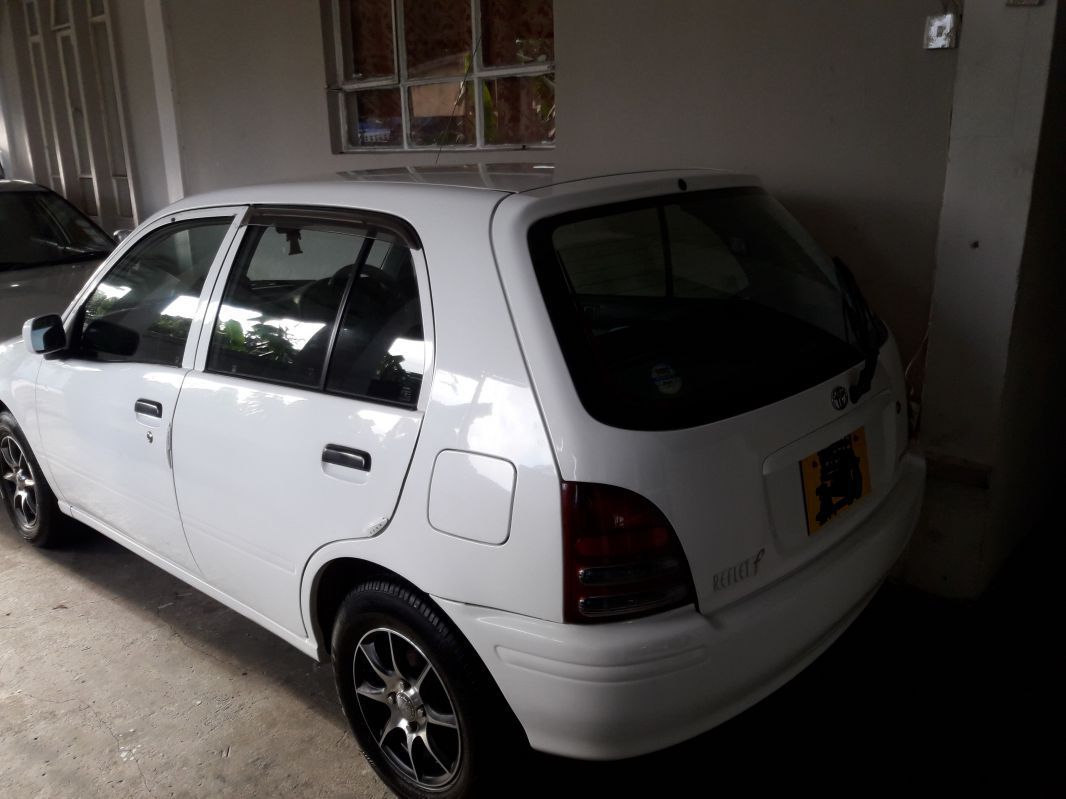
(1001, 84)
(166, 107)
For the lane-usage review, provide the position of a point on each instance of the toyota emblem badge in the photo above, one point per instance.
(839, 398)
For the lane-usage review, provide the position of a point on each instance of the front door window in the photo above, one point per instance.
(143, 309)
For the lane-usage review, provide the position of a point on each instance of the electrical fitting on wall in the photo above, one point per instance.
(941, 31)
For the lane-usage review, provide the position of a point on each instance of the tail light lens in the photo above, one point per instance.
(622, 558)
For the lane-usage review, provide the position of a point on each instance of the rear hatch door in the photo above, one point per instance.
(693, 346)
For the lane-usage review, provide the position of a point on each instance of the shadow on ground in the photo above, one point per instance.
(919, 691)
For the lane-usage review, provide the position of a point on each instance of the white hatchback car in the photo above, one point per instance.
(595, 464)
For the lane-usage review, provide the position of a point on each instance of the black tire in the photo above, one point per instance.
(40, 522)
(487, 741)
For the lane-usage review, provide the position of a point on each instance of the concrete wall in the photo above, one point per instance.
(992, 422)
(142, 118)
(138, 96)
(835, 104)
(7, 67)
(14, 148)
(249, 82)
(1032, 449)
(995, 131)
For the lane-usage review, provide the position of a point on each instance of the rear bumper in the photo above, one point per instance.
(621, 690)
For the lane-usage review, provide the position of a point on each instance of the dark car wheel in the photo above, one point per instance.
(29, 501)
(422, 706)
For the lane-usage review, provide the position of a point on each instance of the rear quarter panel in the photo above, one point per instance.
(480, 400)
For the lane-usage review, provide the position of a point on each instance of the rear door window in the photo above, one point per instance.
(682, 310)
(323, 305)
(280, 306)
(380, 352)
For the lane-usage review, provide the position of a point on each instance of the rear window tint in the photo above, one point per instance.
(686, 309)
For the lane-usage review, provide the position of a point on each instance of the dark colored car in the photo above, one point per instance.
(48, 249)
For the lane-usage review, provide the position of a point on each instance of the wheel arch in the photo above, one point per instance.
(331, 583)
(329, 578)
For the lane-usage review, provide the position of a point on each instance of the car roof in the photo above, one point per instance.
(19, 185)
(389, 189)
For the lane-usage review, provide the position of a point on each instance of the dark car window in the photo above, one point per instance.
(143, 308)
(290, 286)
(39, 228)
(380, 351)
(279, 309)
(682, 310)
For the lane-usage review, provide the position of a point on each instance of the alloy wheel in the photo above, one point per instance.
(407, 708)
(17, 473)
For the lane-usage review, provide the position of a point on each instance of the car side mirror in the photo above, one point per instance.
(120, 234)
(44, 334)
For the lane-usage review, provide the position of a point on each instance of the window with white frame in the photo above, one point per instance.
(429, 74)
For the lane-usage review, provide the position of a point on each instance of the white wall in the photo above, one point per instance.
(7, 67)
(995, 132)
(992, 420)
(14, 148)
(835, 104)
(142, 117)
(251, 101)
(1031, 458)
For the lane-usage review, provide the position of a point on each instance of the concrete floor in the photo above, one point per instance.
(117, 680)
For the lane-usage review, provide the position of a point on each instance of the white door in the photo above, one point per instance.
(106, 405)
(300, 422)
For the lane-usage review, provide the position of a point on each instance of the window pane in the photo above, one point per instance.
(374, 118)
(369, 50)
(437, 37)
(143, 309)
(443, 114)
(281, 302)
(60, 13)
(517, 32)
(380, 351)
(520, 110)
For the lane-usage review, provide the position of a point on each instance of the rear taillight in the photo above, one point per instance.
(621, 556)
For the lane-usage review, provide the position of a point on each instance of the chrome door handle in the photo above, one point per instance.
(347, 457)
(148, 408)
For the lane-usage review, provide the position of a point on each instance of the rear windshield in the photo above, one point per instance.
(690, 308)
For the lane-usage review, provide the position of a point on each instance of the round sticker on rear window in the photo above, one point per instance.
(665, 379)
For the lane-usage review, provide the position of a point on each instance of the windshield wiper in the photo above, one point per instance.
(864, 326)
(75, 250)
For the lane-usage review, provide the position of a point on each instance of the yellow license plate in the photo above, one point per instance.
(834, 479)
